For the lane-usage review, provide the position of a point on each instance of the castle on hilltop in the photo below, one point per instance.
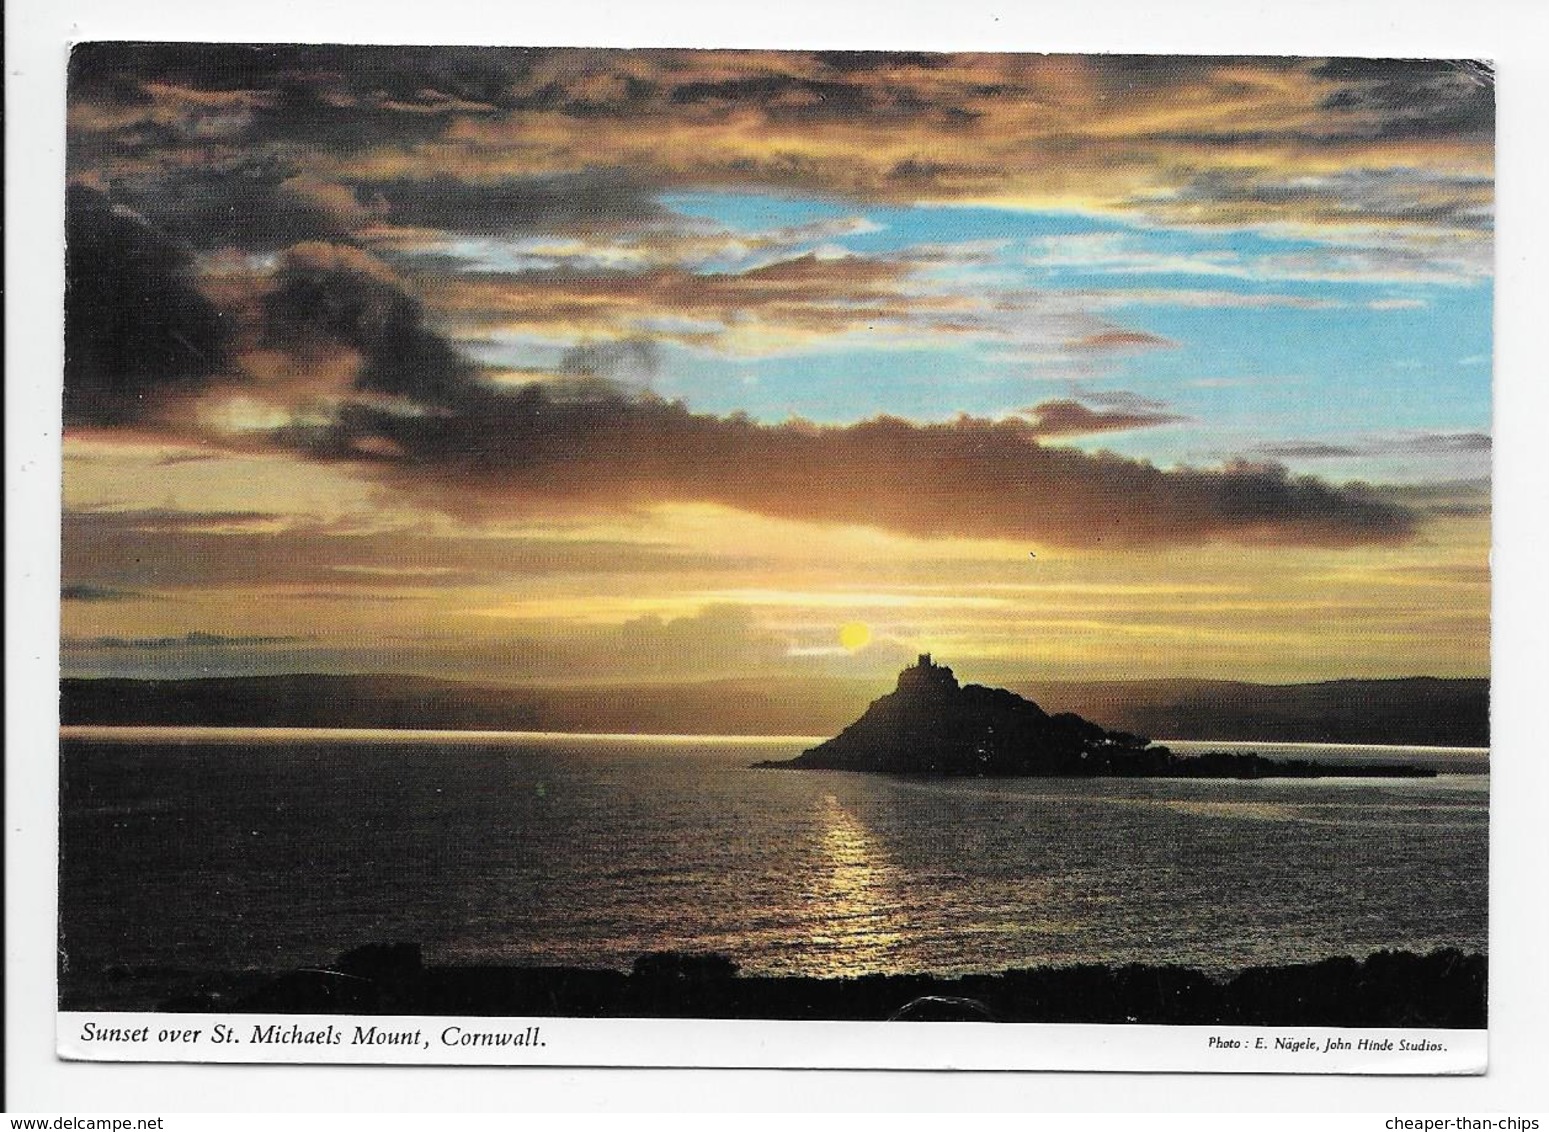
(933, 725)
(927, 676)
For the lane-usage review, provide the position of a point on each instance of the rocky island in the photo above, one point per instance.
(932, 725)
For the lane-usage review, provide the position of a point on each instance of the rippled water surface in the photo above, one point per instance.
(265, 851)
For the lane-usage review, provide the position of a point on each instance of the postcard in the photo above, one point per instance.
(702, 557)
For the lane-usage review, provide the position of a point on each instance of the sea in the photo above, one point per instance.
(189, 855)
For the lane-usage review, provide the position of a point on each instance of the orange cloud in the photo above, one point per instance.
(801, 295)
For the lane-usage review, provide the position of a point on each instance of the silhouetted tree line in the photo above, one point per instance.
(1445, 989)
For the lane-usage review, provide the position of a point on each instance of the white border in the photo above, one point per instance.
(1511, 33)
(420, 1040)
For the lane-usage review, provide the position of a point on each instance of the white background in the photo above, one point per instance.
(1511, 33)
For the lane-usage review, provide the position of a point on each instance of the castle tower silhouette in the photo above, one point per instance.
(926, 676)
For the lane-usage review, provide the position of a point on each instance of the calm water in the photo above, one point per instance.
(265, 851)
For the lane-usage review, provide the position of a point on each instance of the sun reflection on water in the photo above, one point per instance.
(855, 913)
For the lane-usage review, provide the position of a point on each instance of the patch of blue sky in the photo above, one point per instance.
(1318, 373)
(1282, 373)
(904, 227)
(1116, 264)
(1192, 249)
(1232, 260)
(898, 227)
(894, 227)
(1325, 275)
(1332, 367)
(1243, 421)
(1235, 275)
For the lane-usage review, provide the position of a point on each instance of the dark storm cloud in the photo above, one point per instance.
(587, 202)
(1138, 72)
(1306, 450)
(631, 361)
(508, 452)
(1072, 418)
(852, 61)
(255, 205)
(137, 329)
(1446, 442)
(327, 295)
(347, 98)
(914, 171)
(1414, 98)
(1121, 340)
(1414, 444)
(784, 97)
(1365, 99)
(1458, 499)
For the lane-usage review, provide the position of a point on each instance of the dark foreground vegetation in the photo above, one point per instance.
(1444, 989)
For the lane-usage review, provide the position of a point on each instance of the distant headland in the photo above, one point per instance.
(1407, 711)
(932, 725)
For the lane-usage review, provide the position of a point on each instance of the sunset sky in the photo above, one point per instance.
(606, 366)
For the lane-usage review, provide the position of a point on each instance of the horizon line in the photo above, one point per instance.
(107, 732)
(247, 733)
(550, 683)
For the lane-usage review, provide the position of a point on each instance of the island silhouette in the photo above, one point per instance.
(932, 725)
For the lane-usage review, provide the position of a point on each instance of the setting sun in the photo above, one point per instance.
(855, 635)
